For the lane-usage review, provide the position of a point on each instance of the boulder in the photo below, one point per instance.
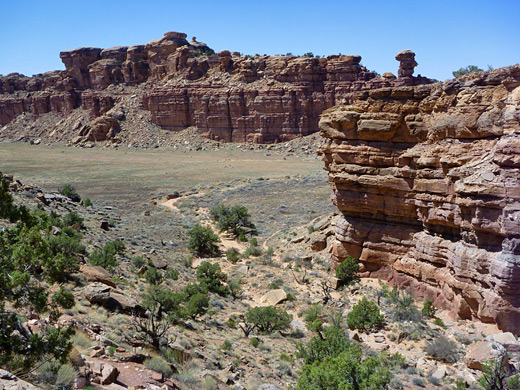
(97, 274)
(105, 296)
(108, 374)
(481, 352)
(274, 297)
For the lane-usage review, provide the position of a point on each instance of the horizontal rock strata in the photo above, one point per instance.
(229, 97)
(427, 179)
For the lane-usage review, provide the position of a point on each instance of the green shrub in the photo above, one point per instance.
(269, 318)
(226, 345)
(439, 322)
(313, 319)
(331, 343)
(347, 271)
(106, 257)
(232, 255)
(138, 261)
(212, 277)
(153, 276)
(235, 288)
(467, 70)
(172, 274)
(364, 315)
(73, 218)
(232, 219)
(203, 241)
(159, 365)
(333, 362)
(428, 310)
(442, 349)
(111, 350)
(87, 202)
(254, 342)
(70, 192)
(196, 305)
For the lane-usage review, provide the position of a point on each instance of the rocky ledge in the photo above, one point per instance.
(427, 179)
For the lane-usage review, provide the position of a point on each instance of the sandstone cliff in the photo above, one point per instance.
(228, 96)
(427, 179)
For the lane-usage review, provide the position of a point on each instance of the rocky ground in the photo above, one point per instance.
(212, 351)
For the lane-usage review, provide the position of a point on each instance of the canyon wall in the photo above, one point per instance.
(229, 97)
(427, 179)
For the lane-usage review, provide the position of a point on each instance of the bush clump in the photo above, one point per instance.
(203, 241)
(442, 349)
(347, 271)
(364, 315)
(232, 219)
(268, 319)
(212, 277)
(106, 257)
(428, 310)
(233, 255)
(69, 191)
(159, 365)
(332, 362)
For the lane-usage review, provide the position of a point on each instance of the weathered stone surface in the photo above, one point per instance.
(97, 274)
(428, 183)
(274, 297)
(481, 352)
(109, 374)
(111, 299)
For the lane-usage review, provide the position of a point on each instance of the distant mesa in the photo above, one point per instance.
(228, 96)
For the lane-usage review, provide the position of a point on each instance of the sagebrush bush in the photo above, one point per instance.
(65, 377)
(442, 349)
(159, 365)
(232, 255)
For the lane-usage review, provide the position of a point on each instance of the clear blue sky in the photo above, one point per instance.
(445, 35)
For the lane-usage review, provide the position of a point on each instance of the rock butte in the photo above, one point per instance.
(228, 96)
(427, 179)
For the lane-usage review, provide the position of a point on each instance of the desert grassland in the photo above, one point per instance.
(126, 174)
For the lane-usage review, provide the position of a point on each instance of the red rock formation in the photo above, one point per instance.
(228, 96)
(428, 182)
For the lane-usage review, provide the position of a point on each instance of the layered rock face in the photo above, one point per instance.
(229, 97)
(427, 179)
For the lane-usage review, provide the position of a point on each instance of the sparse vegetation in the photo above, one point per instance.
(467, 70)
(233, 255)
(442, 349)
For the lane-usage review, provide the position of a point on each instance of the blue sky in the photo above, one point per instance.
(445, 35)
